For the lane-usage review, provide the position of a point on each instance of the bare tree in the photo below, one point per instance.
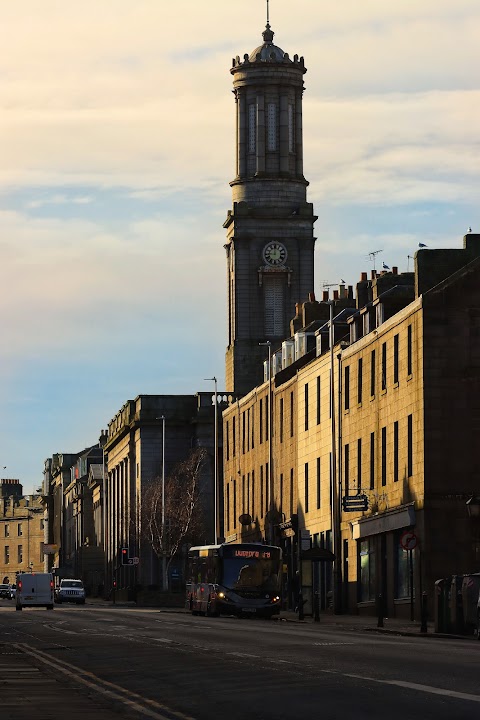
(183, 512)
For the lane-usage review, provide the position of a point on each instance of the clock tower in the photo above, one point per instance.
(270, 240)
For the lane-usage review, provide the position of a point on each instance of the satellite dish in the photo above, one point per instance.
(245, 519)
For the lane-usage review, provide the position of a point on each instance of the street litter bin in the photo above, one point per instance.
(457, 624)
(470, 593)
(441, 611)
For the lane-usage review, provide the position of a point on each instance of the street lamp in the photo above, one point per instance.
(270, 453)
(215, 471)
(164, 559)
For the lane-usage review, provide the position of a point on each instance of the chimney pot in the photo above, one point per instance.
(363, 277)
(325, 295)
(335, 294)
(373, 274)
(395, 270)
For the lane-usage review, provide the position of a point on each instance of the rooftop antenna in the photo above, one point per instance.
(409, 257)
(268, 13)
(372, 257)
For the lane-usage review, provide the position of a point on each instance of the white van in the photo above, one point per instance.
(34, 590)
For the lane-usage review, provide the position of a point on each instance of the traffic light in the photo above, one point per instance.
(125, 560)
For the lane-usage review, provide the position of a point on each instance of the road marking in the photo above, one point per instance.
(328, 644)
(416, 686)
(239, 654)
(164, 640)
(127, 697)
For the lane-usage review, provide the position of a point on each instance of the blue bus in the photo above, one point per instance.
(242, 579)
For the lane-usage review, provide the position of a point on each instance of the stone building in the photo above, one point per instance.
(21, 531)
(395, 429)
(270, 240)
(135, 452)
(68, 495)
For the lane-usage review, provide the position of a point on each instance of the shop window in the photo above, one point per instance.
(366, 565)
(402, 568)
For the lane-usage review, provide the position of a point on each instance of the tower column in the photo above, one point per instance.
(284, 134)
(298, 133)
(260, 134)
(241, 100)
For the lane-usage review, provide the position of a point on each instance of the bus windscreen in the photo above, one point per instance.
(245, 569)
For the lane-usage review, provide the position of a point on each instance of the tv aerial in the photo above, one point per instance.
(372, 257)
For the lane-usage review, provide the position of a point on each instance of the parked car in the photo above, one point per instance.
(14, 591)
(70, 590)
(6, 591)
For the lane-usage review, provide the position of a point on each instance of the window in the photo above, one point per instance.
(281, 492)
(234, 437)
(7, 555)
(409, 350)
(281, 420)
(384, 456)
(395, 452)
(7, 530)
(318, 400)
(360, 381)
(366, 566)
(372, 461)
(306, 406)
(346, 468)
(243, 494)
(227, 440)
(271, 126)
(346, 389)
(42, 525)
(267, 417)
(274, 306)
(260, 420)
(252, 128)
(253, 493)
(243, 432)
(319, 487)
(410, 446)
(330, 477)
(261, 491)
(267, 488)
(20, 554)
(248, 429)
(384, 366)
(228, 506)
(395, 358)
(291, 128)
(359, 464)
(291, 492)
(372, 373)
(306, 487)
(234, 503)
(19, 530)
(248, 493)
(253, 427)
(291, 414)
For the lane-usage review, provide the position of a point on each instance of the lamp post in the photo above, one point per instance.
(164, 559)
(268, 344)
(215, 466)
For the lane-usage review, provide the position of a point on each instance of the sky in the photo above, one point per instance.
(116, 150)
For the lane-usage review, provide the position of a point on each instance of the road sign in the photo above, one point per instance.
(135, 560)
(354, 503)
(408, 540)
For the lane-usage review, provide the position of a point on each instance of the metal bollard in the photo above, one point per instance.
(380, 610)
(316, 607)
(424, 613)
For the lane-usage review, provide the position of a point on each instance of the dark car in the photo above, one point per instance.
(6, 591)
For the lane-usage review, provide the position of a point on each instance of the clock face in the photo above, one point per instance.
(275, 253)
